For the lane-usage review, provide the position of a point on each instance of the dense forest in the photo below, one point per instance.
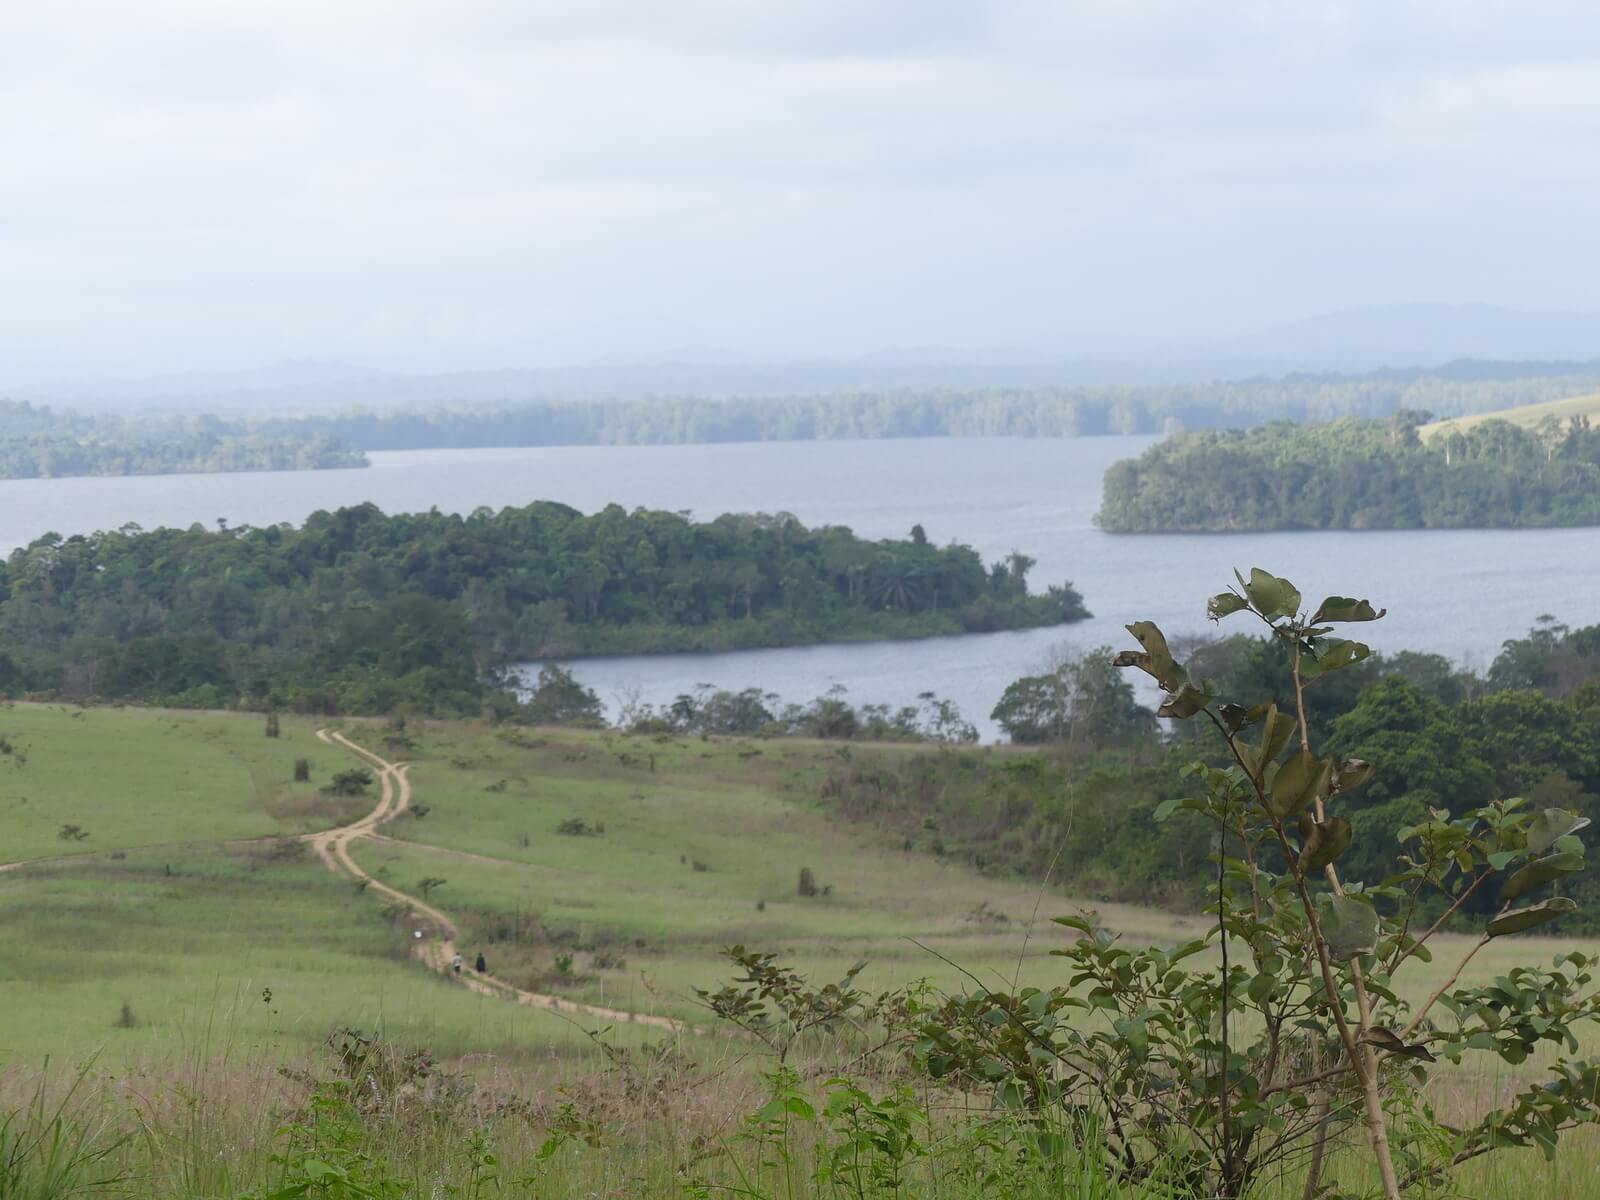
(1019, 412)
(1358, 474)
(38, 442)
(362, 612)
(1095, 771)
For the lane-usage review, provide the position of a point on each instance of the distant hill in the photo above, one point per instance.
(1385, 344)
(1403, 335)
(1528, 416)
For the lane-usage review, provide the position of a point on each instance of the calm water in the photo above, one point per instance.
(1459, 593)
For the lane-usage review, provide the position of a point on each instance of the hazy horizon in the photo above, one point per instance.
(423, 188)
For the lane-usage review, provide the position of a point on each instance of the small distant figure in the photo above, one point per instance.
(483, 967)
(456, 963)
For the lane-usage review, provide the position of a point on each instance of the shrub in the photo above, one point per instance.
(1295, 1033)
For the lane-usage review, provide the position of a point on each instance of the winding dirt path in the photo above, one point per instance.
(437, 948)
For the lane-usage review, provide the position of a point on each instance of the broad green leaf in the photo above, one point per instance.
(1321, 842)
(1541, 870)
(1335, 654)
(1351, 774)
(1391, 1042)
(1343, 608)
(1236, 716)
(1225, 604)
(1272, 596)
(1349, 926)
(1299, 781)
(1082, 924)
(1187, 701)
(1519, 919)
(1276, 730)
(1134, 1032)
(1157, 660)
(1550, 826)
(1261, 988)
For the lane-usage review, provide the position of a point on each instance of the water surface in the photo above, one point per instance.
(1456, 592)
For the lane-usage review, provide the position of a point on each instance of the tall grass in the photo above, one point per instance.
(52, 1149)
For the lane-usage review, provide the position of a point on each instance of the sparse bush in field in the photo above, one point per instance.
(353, 782)
(578, 827)
(428, 883)
(72, 833)
(272, 725)
(563, 963)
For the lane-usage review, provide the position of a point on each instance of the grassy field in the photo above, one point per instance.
(191, 946)
(1529, 415)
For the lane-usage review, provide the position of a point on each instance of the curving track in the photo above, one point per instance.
(436, 951)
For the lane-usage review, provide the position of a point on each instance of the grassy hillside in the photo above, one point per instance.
(189, 893)
(1529, 416)
(192, 946)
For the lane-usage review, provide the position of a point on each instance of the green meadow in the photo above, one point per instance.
(184, 949)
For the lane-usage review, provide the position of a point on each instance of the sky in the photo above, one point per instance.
(192, 185)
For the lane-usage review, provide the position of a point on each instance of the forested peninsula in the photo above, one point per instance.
(39, 442)
(361, 612)
(1359, 474)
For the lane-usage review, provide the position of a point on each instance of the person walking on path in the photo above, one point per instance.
(456, 963)
(483, 967)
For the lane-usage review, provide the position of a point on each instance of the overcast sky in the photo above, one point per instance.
(195, 184)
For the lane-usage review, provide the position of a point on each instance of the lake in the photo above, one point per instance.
(1456, 592)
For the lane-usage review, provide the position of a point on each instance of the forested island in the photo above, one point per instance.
(995, 412)
(358, 611)
(1359, 474)
(39, 442)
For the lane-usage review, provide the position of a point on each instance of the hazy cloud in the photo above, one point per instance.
(200, 184)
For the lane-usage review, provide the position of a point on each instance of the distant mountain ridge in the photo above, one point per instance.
(1470, 341)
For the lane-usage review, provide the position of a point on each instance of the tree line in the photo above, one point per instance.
(993, 412)
(1359, 474)
(1092, 767)
(40, 442)
(359, 611)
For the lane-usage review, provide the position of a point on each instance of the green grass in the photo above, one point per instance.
(702, 851)
(1528, 415)
(235, 951)
(144, 777)
(249, 953)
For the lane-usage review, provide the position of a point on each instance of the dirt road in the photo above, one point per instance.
(437, 946)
